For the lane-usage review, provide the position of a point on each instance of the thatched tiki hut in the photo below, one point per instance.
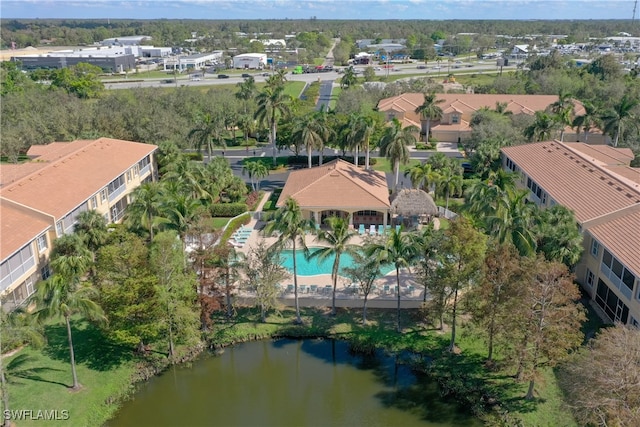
(411, 207)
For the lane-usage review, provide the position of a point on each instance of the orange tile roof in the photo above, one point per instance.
(337, 184)
(567, 175)
(73, 172)
(19, 227)
(621, 236)
(462, 126)
(468, 103)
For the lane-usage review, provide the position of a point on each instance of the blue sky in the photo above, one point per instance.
(322, 9)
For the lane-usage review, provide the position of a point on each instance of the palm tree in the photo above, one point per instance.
(501, 108)
(349, 78)
(291, 225)
(393, 145)
(399, 249)
(542, 128)
(621, 115)
(246, 92)
(337, 237)
(422, 176)
(63, 295)
(365, 127)
(272, 104)
(208, 132)
(587, 121)
(256, 171)
(449, 182)
(246, 123)
(92, 229)
(513, 221)
(145, 210)
(563, 111)
(313, 132)
(18, 326)
(428, 111)
(351, 136)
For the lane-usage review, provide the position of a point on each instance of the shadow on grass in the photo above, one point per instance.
(21, 367)
(90, 346)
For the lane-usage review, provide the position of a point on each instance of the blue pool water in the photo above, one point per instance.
(314, 267)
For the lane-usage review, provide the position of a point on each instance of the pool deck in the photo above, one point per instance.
(347, 295)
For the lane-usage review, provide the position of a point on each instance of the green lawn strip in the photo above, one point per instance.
(294, 89)
(281, 162)
(270, 205)
(383, 165)
(220, 222)
(105, 372)
(335, 94)
(234, 225)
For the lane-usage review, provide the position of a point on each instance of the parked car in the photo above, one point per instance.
(265, 74)
(245, 75)
(223, 76)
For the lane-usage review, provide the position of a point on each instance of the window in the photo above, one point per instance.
(45, 272)
(614, 308)
(144, 162)
(590, 278)
(103, 195)
(94, 202)
(619, 275)
(455, 119)
(42, 243)
(634, 322)
(129, 176)
(59, 228)
(595, 247)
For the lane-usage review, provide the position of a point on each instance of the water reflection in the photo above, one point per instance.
(291, 383)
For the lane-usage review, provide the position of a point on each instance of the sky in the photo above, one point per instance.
(321, 9)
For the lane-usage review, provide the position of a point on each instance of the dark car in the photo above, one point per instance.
(245, 75)
(223, 76)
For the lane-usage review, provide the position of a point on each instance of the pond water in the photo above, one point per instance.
(291, 383)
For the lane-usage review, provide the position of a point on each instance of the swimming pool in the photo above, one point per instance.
(314, 267)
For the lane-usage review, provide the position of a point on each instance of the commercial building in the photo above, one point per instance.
(255, 61)
(125, 40)
(196, 62)
(40, 200)
(109, 58)
(603, 191)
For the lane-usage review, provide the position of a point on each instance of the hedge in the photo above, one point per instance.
(228, 209)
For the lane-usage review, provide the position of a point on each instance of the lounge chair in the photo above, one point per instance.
(398, 227)
(381, 230)
(290, 289)
(372, 230)
(361, 229)
(313, 289)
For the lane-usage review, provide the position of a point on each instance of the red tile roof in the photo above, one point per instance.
(587, 188)
(19, 227)
(71, 173)
(621, 237)
(337, 184)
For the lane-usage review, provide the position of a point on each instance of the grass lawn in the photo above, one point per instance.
(383, 165)
(335, 94)
(218, 223)
(42, 382)
(294, 89)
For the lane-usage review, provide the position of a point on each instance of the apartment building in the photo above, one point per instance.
(598, 185)
(458, 109)
(41, 199)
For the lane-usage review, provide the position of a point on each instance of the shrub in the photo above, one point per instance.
(234, 225)
(315, 160)
(252, 200)
(194, 156)
(228, 209)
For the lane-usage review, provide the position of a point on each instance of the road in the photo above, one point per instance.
(212, 80)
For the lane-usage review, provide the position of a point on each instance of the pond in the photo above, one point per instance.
(291, 383)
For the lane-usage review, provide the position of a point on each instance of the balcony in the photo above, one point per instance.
(113, 196)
